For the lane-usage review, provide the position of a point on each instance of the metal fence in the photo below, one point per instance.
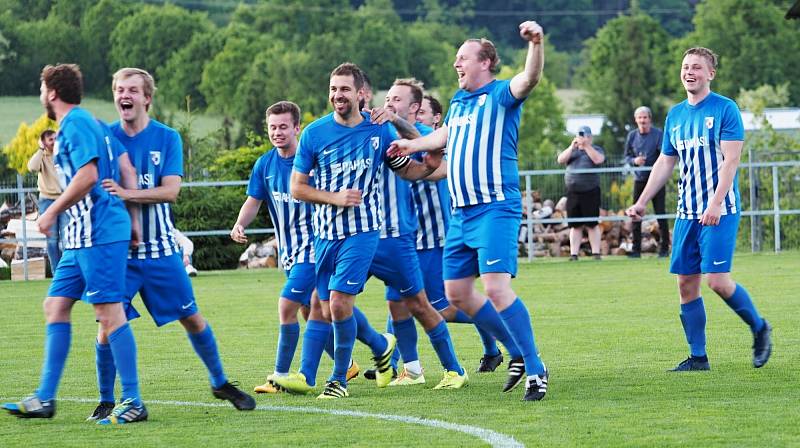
(783, 187)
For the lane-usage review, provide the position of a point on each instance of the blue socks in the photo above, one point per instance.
(287, 344)
(57, 339)
(366, 334)
(396, 353)
(106, 372)
(406, 333)
(741, 303)
(693, 319)
(315, 339)
(344, 334)
(518, 322)
(488, 319)
(123, 349)
(488, 341)
(443, 345)
(205, 345)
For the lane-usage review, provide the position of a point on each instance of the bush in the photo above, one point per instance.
(210, 208)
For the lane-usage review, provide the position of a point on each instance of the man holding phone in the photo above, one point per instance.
(642, 147)
(583, 190)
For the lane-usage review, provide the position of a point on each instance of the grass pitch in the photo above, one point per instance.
(607, 330)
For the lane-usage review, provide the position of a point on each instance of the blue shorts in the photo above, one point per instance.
(164, 287)
(699, 249)
(300, 283)
(482, 239)
(342, 265)
(397, 265)
(430, 264)
(93, 274)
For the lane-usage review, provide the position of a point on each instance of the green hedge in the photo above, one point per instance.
(213, 208)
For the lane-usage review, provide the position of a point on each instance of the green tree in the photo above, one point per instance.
(755, 44)
(71, 11)
(222, 74)
(96, 26)
(181, 76)
(624, 67)
(148, 38)
(37, 44)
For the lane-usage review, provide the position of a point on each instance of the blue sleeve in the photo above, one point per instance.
(666, 142)
(393, 135)
(83, 145)
(732, 128)
(502, 92)
(173, 155)
(256, 186)
(304, 158)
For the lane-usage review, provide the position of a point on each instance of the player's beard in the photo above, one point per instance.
(51, 113)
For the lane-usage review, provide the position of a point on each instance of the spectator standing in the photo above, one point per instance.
(42, 164)
(642, 148)
(583, 190)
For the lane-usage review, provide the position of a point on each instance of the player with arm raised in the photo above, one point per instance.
(480, 133)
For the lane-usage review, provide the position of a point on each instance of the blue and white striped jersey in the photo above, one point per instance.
(693, 134)
(156, 151)
(432, 200)
(291, 218)
(399, 209)
(99, 217)
(482, 133)
(343, 157)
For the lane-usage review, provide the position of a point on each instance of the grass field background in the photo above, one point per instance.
(17, 109)
(607, 330)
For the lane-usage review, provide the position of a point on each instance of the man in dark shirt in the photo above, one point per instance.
(583, 190)
(642, 148)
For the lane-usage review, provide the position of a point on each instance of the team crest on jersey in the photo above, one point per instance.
(482, 100)
(709, 122)
(376, 143)
(155, 157)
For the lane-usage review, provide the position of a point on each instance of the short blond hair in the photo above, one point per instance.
(148, 83)
(709, 55)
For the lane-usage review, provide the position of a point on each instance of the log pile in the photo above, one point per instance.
(552, 240)
(258, 255)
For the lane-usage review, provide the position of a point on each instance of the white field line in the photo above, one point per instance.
(493, 438)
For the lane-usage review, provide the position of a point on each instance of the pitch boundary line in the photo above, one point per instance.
(493, 438)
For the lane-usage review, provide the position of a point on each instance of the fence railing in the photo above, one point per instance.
(552, 188)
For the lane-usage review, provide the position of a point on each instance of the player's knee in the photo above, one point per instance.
(724, 287)
(448, 313)
(194, 323)
(55, 310)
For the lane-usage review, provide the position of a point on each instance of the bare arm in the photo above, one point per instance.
(731, 155)
(247, 214)
(564, 156)
(661, 173)
(166, 192)
(434, 141)
(439, 174)
(380, 115)
(80, 185)
(526, 80)
(301, 190)
(412, 170)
